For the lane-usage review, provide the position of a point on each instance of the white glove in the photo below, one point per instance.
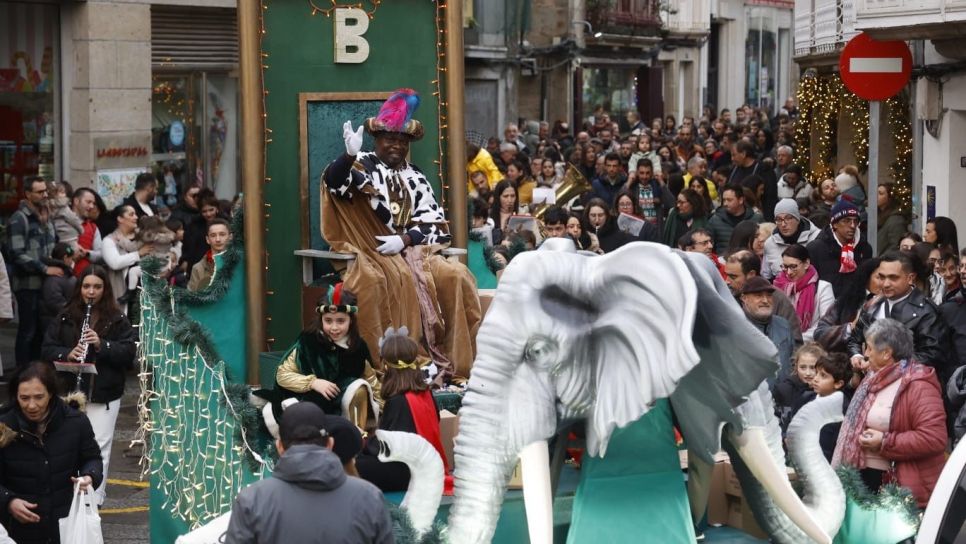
(353, 139)
(391, 244)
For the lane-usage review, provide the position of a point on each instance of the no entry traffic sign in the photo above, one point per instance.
(875, 70)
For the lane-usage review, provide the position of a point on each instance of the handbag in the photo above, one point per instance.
(82, 524)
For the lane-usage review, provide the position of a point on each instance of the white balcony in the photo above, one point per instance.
(822, 27)
(687, 18)
(912, 19)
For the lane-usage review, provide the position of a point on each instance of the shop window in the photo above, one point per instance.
(194, 133)
(610, 90)
(28, 97)
(761, 57)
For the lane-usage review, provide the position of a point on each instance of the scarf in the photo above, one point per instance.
(847, 255)
(210, 257)
(124, 244)
(802, 292)
(793, 239)
(847, 450)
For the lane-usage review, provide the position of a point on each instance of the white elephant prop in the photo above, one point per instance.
(601, 338)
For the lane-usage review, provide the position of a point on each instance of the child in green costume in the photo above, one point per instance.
(330, 364)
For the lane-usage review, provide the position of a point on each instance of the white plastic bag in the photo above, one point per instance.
(82, 524)
(212, 532)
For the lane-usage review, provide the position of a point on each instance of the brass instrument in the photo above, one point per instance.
(574, 184)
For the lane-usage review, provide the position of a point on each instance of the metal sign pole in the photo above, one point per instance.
(873, 195)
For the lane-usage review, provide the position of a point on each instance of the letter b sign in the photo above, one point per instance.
(350, 46)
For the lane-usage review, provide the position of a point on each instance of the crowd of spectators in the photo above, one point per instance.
(885, 327)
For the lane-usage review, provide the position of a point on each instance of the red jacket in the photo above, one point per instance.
(916, 440)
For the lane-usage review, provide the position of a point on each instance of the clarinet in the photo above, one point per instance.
(84, 328)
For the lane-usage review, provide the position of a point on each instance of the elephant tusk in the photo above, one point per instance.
(754, 451)
(535, 468)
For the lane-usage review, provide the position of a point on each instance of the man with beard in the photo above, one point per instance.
(756, 299)
(144, 195)
(743, 265)
(382, 208)
(607, 185)
(790, 229)
(732, 211)
(89, 241)
(838, 250)
(747, 166)
(901, 300)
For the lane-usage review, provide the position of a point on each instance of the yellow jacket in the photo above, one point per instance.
(483, 162)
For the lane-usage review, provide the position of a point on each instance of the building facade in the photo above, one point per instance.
(96, 92)
(934, 101)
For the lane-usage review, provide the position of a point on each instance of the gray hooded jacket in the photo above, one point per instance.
(309, 499)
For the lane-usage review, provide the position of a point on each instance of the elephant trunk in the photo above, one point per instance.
(824, 502)
(426, 474)
(482, 462)
(824, 495)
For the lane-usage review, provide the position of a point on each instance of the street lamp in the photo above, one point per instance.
(590, 29)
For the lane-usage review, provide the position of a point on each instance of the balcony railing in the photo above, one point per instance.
(624, 17)
(823, 26)
(899, 14)
(688, 17)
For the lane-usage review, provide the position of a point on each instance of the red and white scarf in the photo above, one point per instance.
(847, 255)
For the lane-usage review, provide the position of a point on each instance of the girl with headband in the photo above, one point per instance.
(330, 364)
(409, 407)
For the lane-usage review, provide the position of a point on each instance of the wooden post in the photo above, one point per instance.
(456, 133)
(253, 176)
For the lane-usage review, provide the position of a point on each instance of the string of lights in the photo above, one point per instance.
(199, 468)
(334, 5)
(822, 102)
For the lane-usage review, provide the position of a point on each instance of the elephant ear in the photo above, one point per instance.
(735, 358)
(639, 345)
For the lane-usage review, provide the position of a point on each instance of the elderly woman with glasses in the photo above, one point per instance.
(799, 280)
(895, 427)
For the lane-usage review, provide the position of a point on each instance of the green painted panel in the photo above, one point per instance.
(324, 135)
(299, 48)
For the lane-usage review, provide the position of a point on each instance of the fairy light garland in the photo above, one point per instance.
(901, 167)
(438, 94)
(821, 101)
(200, 467)
(334, 5)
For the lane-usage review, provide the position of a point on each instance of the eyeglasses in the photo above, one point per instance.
(785, 219)
(790, 266)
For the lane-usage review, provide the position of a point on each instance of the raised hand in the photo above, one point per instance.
(353, 139)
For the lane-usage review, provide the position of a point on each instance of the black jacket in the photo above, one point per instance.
(115, 357)
(38, 469)
(56, 291)
(194, 246)
(929, 331)
(954, 314)
(132, 202)
(824, 252)
(610, 237)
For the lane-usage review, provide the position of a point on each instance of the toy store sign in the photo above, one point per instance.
(122, 151)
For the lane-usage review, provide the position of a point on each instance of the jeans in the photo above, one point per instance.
(29, 335)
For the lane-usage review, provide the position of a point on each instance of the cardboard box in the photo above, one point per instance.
(741, 517)
(516, 479)
(717, 500)
(449, 426)
(727, 504)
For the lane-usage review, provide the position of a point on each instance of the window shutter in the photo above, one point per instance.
(195, 38)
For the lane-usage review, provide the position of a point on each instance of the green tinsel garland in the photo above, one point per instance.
(403, 532)
(249, 417)
(488, 254)
(891, 498)
(191, 334)
(517, 246)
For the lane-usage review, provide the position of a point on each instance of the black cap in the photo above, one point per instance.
(302, 421)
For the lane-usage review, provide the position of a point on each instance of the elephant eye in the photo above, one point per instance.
(540, 352)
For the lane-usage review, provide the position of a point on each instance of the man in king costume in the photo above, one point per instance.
(382, 208)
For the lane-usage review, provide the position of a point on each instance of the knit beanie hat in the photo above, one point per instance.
(844, 182)
(787, 206)
(842, 209)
